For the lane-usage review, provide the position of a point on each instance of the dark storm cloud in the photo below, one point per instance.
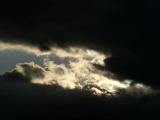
(44, 23)
(127, 30)
(24, 101)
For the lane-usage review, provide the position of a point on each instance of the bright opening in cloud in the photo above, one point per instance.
(78, 71)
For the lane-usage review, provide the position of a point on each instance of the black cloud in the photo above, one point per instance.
(28, 101)
(25, 100)
(14, 76)
(139, 69)
(127, 30)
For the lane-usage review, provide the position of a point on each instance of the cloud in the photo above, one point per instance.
(140, 70)
(79, 73)
(52, 91)
(43, 25)
(24, 72)
(115, 46)
(51, 23)
(51, 100)
(127, 31)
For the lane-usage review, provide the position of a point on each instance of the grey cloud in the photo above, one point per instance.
(32, 70)
(138, 69)
(90, 86)
(43, 24)
(58, 75)
(24, 72)
(51, 100)
(126, 30)
(14, 76)
(59, 71)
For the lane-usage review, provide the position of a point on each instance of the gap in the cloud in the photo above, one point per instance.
(9, 59)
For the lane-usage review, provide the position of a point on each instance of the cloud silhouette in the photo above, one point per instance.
(51, 100)
(125, 30)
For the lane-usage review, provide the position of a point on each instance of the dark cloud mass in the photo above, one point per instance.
(34, 101)
(125, 30)
(23, 99)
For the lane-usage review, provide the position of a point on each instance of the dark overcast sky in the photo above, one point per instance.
(125, 30)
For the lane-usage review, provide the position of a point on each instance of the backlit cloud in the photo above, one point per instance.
(80, 73)
(110, 50)
(125, 31)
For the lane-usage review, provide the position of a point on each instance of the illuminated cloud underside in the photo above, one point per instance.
(80, 73)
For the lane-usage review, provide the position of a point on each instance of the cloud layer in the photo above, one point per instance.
(79, 73)
(77, 91)
(23, 100)
(107, 40)
(126, 30)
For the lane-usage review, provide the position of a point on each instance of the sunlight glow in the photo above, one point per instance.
(79, 72)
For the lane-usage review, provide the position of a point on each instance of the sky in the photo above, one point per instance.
(79, 59)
